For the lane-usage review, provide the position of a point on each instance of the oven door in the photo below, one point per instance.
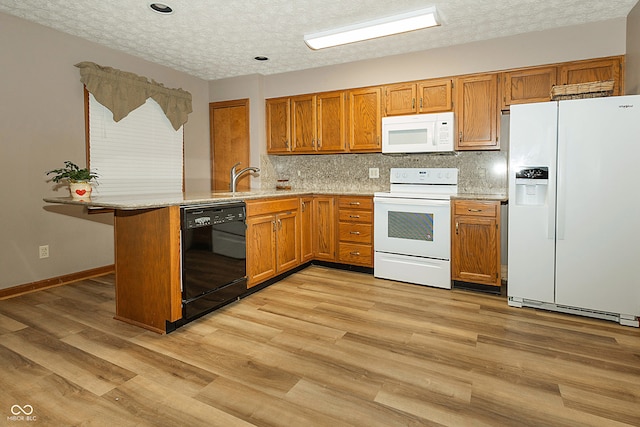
(417, 227)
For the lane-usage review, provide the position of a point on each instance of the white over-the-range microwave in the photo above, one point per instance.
(418, 133)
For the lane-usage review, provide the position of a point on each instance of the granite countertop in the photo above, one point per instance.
(149, 201)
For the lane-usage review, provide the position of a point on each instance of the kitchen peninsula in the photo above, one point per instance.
(148, 249)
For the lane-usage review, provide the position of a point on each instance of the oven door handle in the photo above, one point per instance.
(415, 202)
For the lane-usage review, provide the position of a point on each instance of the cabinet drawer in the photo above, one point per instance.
(348, 215)
(475, 208)
(355, 203)
(356, 233)
(352, 253)
(270, 206)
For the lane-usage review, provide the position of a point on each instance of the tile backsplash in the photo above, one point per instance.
(479, 171)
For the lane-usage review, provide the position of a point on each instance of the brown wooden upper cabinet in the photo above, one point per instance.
(476, 112)
(310, 123)
(592, 71)
(332, 122)
(303, 123)
(427, 96)
(278, 118)
(365, 119)
(526, 86)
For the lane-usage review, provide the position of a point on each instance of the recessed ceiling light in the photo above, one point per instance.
(161, 8)
(261, 58)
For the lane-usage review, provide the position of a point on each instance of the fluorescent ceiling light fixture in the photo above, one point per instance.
(397, 24)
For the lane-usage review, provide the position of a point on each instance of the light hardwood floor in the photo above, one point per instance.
(323, 347)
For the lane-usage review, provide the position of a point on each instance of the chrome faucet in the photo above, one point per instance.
(235, 175)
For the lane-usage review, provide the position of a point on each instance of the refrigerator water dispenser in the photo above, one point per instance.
(531, 185)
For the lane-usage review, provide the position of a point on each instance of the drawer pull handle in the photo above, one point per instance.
(354, 216)
(354, 203)
(475, 210)
(357, 233)
(355, 253)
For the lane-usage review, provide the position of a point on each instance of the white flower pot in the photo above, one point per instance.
(80, 190)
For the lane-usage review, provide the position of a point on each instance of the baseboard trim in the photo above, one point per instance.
(55, 281)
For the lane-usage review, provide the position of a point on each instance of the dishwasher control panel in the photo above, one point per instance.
(203, 216)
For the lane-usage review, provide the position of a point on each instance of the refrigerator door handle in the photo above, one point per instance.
(561, 193)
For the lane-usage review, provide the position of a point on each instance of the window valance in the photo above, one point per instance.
(122, 92)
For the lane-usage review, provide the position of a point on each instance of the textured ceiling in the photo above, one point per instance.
(214, 39)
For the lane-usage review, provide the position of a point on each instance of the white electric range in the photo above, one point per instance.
(412, 226)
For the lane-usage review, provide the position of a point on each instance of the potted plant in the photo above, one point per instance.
(79, 179)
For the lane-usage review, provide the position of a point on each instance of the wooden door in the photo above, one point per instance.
(324, 220)
(303, 123)
(365, 119)
(400, 99)
(306, 228)
(287, 241)
(230, 142)
(332, 122)
(261, 248)
(530, 85)
(477, 112)
(435, 95)
(278, 120)
(474, 250)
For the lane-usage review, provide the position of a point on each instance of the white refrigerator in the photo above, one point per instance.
(574, 207)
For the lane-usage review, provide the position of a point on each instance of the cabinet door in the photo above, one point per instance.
(287, 241)
(475, 243)
(261, 248)
(324, 228)
(306, 229)
(435, 95)
(332, 122)
(400, 99)
(303, 123)
(278, 125)
(477, 112)
(524, 86)
(365, 119)
(593, 71)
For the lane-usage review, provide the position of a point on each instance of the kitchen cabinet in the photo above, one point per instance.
(278, 121)
(303, 123)
(272, 238)
(355, 230)
(475, 242)
(477, 112)
(427, 96)
(307, 231)
(147, 263)
(324, 229)
(610, 68)
(332, 122)
(527, 85)
(365, 119)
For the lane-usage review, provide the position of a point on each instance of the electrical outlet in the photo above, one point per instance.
(374, 173)
(44, 251)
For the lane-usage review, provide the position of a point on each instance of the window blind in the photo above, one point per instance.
(140, 154)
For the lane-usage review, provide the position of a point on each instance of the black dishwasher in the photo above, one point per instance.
(213, 257)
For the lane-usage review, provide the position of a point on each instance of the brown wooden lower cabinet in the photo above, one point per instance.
(273, 238)
(475, 243)
(355, 230)
(147, 260)
(324, 229)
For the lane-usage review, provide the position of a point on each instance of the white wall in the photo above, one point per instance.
(41, 125)
(632, 71)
